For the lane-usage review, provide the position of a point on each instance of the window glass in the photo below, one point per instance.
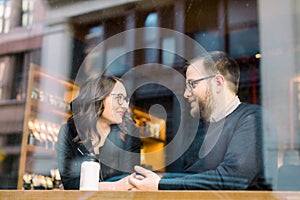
(168, 57)
(210, 40)
(151, 38)
(5, 11)
(2, 72)
(239, 46)
(27, 15)
(116, 67)
(148, 44)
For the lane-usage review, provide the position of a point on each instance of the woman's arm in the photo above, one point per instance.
(68, 162)
(120, 185)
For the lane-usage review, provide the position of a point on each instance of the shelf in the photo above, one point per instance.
(153, 133)
(38, 106)
(47, 105)
(11, 150)
(154, 126)
(151, 140)
(54, 79)
(40, 151)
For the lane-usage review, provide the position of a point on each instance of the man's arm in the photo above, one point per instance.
(242, 164)
(147, 180)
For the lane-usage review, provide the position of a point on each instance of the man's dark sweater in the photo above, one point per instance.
(235, 161)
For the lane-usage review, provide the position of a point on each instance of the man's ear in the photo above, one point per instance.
(219, 82)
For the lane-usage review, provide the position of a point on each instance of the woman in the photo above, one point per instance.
(99, 125)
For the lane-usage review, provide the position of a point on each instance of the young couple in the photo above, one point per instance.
(233, 161)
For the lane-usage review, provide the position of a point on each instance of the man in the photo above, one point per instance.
(226, 153)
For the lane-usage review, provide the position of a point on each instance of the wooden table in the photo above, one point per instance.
(160, 195)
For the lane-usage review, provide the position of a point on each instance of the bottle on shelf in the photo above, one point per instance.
(31, 138)
(56, 179)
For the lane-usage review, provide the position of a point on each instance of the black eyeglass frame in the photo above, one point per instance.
(190, 85)
(121, 98)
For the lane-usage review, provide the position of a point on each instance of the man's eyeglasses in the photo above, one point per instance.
(190, 85)
(121, 98)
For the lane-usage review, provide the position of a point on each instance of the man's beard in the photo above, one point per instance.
(204, 107)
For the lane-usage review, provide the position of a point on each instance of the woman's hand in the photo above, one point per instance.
(120, 185)
(148, 180)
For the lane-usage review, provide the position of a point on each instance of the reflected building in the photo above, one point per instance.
(74, 39)
(21, 33)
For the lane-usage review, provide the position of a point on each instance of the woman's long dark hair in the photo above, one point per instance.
(88, 106)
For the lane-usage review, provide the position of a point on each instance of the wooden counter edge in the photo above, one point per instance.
(158, 195)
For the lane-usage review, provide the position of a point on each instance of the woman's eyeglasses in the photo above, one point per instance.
(121, 98)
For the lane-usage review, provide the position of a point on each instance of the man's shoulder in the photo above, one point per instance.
(245, 109)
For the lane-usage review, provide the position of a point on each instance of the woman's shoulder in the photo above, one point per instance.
(68, 130)
(64, 130)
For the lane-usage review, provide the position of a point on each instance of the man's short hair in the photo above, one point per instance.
(219, 62)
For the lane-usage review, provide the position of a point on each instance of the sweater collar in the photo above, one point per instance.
(228, 110)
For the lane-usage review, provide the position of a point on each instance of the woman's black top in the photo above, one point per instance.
(117, 156)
